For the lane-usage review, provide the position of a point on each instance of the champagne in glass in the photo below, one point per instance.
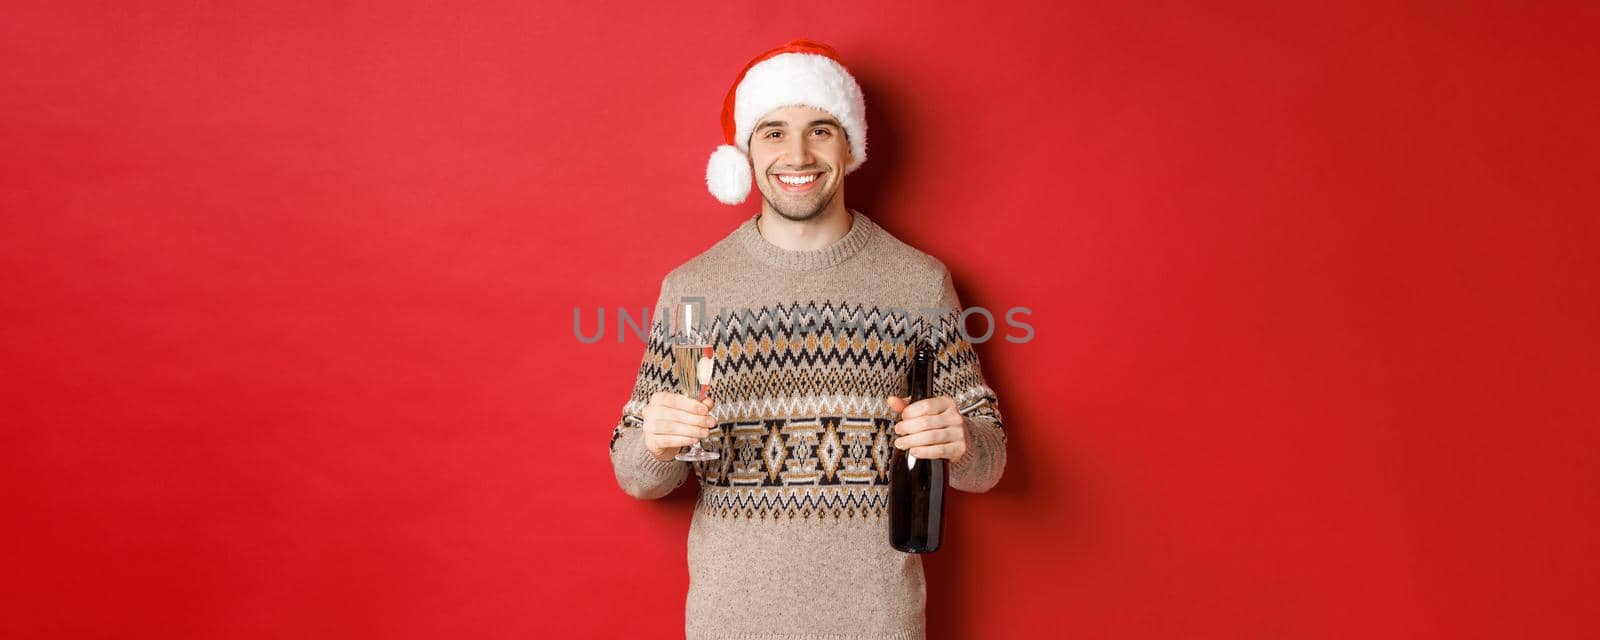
(692, 364)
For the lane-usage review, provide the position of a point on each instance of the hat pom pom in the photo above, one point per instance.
(728, 174)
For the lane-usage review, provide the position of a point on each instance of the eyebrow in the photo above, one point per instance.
(783, 123)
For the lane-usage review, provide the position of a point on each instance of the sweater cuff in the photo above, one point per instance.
(648, 464)
(979, 468)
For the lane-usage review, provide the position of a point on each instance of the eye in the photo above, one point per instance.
(822, 130)
(772, 133)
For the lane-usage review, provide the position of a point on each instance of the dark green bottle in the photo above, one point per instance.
(916, 486)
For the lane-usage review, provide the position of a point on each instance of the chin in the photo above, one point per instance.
(796, 211)
(797, 215)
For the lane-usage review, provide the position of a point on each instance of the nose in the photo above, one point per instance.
(797, 151)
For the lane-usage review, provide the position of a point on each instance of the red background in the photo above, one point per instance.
(288, 294)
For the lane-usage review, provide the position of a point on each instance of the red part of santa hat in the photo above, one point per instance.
(801, 72)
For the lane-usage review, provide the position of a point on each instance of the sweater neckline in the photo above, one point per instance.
(862, 229)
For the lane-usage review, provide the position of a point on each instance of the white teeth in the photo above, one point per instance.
(797, 180)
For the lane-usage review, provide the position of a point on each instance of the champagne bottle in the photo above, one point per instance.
(916, 486)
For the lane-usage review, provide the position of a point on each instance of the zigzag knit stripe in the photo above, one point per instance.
(834, 502)
(801, 391)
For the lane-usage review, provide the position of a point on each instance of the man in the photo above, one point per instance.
(790, 538)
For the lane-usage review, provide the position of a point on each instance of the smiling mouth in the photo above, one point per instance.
(798, 182)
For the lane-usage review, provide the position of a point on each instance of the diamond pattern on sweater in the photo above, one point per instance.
(803, 420)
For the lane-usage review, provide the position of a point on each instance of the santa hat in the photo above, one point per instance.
(801, 72)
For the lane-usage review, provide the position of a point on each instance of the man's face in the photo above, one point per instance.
(798, 156)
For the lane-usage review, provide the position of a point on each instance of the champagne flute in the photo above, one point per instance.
(692, 361)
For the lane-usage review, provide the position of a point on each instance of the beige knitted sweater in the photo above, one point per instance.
(790, 537)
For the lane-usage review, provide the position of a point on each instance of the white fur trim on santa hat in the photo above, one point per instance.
(789, 79)
(728, 175)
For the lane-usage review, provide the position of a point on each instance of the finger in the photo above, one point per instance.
(683, 403)
(671, 442)
(928, 406)
(934, 452)
(685, 417)
(669, 414)
(685, 429)
(913, 425)
(896, 404)
(924, 423)
(924, 439)
(663, 412)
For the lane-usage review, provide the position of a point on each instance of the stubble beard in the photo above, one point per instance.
(796, 210)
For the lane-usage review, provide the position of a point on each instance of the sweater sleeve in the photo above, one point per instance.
(957, 374)
(638, 473)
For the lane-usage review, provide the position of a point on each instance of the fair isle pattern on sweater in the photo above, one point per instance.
(808, 345)
(829, 364)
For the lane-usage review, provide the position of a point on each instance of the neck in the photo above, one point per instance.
(816, 232)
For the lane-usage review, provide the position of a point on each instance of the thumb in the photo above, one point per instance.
(896, 404)
(707, 401)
